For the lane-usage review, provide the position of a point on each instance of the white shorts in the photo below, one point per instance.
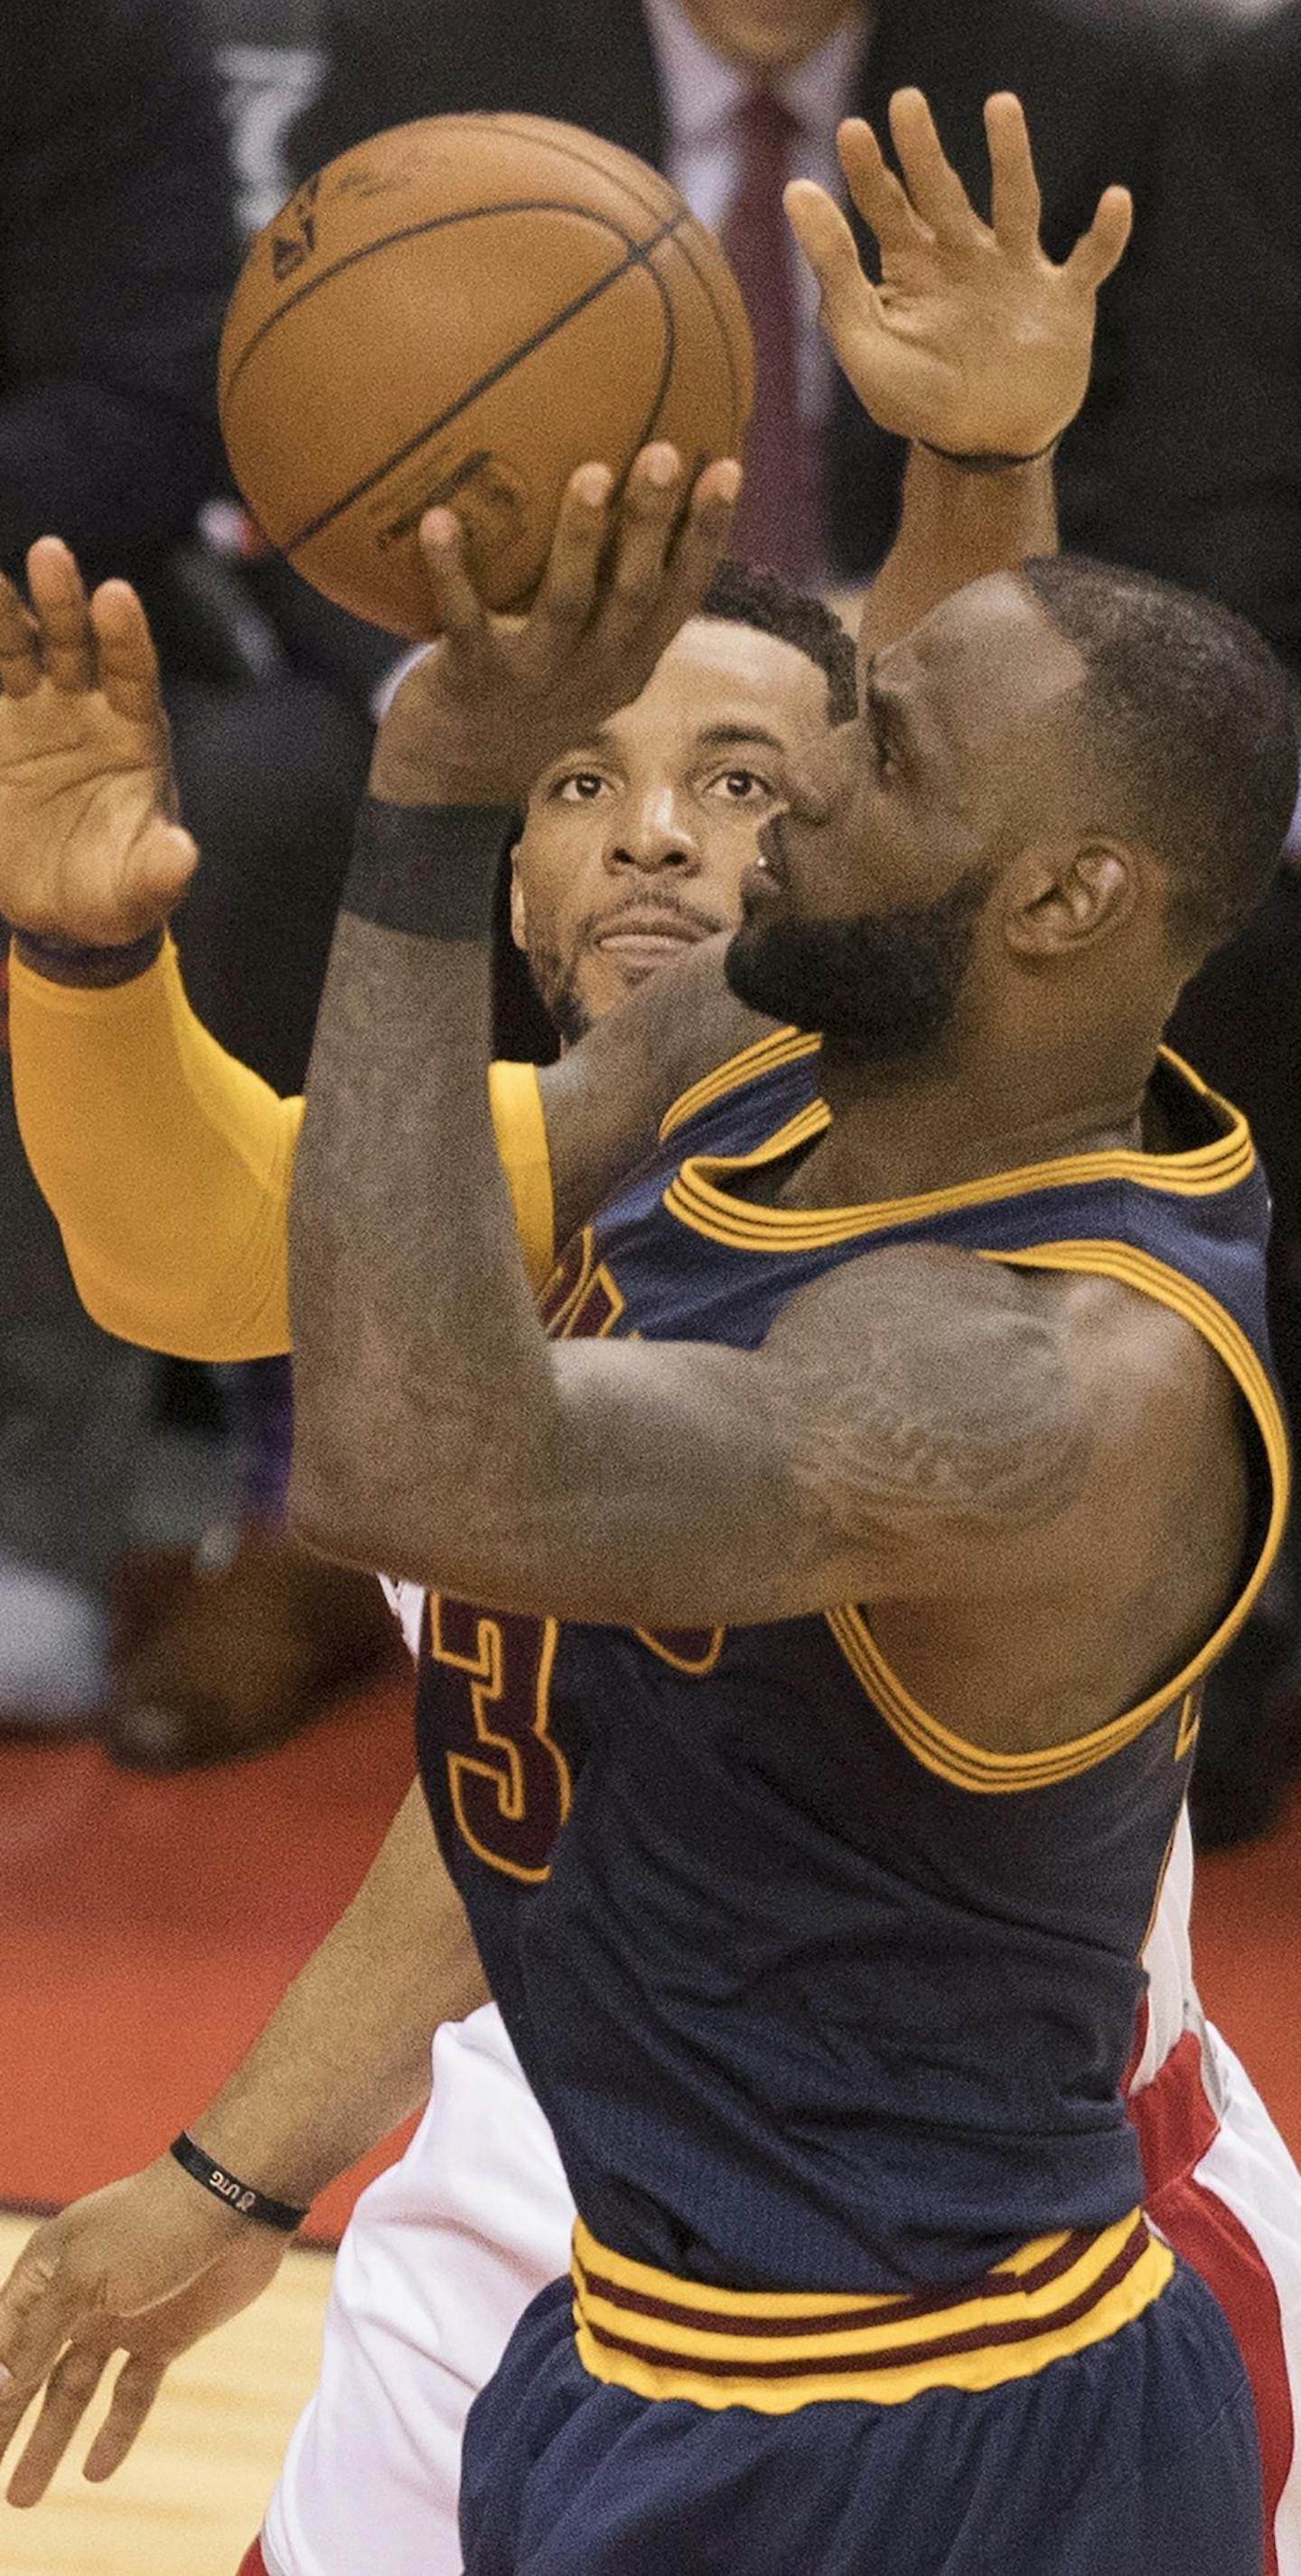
(1225, 2192)
(440, 2260)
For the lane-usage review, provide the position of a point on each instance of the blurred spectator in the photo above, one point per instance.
(1213, 499)
(117, 250)
(716, 90)
(1210, 495)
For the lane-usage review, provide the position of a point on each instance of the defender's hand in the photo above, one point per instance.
(974, 342)
(145, 2268)
(497, 697)
(89, 847)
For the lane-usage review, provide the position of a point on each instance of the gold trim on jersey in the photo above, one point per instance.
(520, 1127)
(972, 1767)
(645, 2330)
(785, 1046)
(672, 1648)
(699, 1197)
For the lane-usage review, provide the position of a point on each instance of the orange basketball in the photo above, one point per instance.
(462, 310)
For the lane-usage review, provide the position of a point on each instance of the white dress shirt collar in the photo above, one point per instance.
(702, 92)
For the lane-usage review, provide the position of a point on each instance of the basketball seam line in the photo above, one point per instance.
(586, 161)
(411, 232)
(638, 256)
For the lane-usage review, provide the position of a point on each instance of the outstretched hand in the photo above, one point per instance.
(496, 698)
(90, 851)
(142, 2268)
(974, 342)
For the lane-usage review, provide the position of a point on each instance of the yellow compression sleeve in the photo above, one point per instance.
(168, 1164)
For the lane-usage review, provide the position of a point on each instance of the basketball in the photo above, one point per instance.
(461, 311)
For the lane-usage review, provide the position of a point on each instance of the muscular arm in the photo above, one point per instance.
(172, 1189)
(345, 2055)
(168, 1163)
(900, 1417)
(955, 527)
(972, 1451)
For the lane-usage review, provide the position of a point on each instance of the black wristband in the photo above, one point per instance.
(430, 870)
(991, 464)
(239, 2196)
(70, 961)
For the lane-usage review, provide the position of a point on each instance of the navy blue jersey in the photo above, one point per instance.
(815, 1994)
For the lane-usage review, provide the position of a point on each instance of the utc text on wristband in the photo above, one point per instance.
(239, 2196)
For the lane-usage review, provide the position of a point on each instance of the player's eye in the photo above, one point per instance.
(580, 787)
(739, 786)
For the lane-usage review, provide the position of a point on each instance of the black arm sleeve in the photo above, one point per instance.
(117, 251)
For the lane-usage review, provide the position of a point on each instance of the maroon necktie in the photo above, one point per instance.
(776, 523)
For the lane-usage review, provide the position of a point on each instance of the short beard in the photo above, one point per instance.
(556, 986)
(880, 988)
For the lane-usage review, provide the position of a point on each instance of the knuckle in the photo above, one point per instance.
(77, 2376)
(566, 601)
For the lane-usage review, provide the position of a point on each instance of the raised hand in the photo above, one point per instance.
(90, 851)
(145, 2268)
(497, 697)
(974, 342)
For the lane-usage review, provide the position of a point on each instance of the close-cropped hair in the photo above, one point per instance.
(1184, 733)
(749, 595)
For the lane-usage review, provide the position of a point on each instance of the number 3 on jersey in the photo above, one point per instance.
(510, 1784)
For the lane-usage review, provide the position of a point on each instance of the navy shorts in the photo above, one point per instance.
(1135, 2457)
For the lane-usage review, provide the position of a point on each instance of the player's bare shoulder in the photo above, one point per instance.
(1169, 1445)
(942, 1403)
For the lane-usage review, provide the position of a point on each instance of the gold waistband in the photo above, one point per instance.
(642, 2329)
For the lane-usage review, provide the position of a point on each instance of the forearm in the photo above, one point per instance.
(166, 1163)
(411, 1309)
(955, 527)
(345, 2055)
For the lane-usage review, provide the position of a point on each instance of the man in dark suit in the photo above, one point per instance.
(1213, 499)
(117, 251)
(1094, 80)
(116, 248)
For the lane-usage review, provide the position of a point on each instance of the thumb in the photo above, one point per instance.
(1101, 248)
(38, 2309)
(161, 868)
(849, 299)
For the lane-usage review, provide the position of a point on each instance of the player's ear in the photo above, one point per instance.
(518, 919)
(1066, 896)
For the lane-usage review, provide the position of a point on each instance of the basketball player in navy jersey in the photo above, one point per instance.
(877, 1499)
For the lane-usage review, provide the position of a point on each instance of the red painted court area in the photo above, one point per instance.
(149, 1927)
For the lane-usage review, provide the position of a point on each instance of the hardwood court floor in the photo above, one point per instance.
(191, 2496)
